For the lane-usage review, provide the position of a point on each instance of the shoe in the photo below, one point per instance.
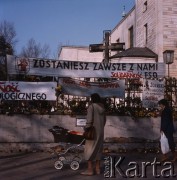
(164, 159)
(87, 173)
(174, 159)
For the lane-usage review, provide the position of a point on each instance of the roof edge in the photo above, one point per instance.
(154, 55)
(123, 19)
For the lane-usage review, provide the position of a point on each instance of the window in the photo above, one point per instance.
(145, 6)
(146, 33)
(131, 37)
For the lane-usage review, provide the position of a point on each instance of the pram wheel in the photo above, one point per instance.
(74, 165)
(58, 165)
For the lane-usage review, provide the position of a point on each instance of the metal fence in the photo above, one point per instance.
(131, 105)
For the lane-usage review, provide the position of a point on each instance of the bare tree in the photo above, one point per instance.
(34, 50)
(45, 51)
(7, 30)
(55, 55)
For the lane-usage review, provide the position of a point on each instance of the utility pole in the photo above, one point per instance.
(3, 59)
(106, 43)
(106, 47)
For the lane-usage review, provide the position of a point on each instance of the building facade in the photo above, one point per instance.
(79, 53)
(149, 24)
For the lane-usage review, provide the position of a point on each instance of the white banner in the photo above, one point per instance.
(84, 88)
(12, 90)
(48, 67)
(153, 91)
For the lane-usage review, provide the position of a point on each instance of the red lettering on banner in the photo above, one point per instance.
(84, 84)
(111, 85)
(87, 84)
(125, 75)
(81, 83)
(8, 88)
(151, 98)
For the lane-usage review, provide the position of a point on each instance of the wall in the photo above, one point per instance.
(170, 31)
(22, 131)
(79, 54)
(161, 18)
(132, 59)
(121, 31)
(146, 17)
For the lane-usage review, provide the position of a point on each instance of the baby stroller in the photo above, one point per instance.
(72, 153)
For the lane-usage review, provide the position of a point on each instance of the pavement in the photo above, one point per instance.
(40, 166)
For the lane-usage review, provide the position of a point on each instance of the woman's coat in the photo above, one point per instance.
(94, 148)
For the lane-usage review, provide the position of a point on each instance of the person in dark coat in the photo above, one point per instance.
(167, 127)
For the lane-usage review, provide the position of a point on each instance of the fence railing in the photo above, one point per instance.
(131, 105)
(73, 105)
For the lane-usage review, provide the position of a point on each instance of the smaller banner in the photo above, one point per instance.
(153, 91)
(12, 90)
(84, 88)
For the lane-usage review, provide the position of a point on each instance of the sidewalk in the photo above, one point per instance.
(40, 166)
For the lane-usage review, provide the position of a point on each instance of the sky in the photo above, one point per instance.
(62, 22)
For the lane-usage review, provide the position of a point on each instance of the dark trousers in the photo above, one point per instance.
(171, 141)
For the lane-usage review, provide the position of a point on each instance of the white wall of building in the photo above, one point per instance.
(160, 16)
(170, 31)
(79, 54)
(121, 31)
(132, 59)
